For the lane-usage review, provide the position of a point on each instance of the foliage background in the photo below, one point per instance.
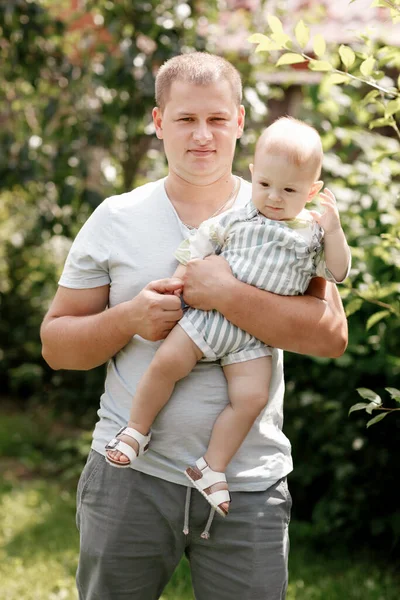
(75, 105)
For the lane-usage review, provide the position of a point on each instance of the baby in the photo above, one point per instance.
(273, 243)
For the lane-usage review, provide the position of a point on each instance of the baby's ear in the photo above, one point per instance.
(251, 167)
(315, 189)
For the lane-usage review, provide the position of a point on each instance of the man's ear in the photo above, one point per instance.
(157, 120)
(315, 189)
(241, 116)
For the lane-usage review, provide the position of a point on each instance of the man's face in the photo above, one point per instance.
(281, 189)
(199, 127)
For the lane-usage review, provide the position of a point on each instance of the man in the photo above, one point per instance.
(136, 523)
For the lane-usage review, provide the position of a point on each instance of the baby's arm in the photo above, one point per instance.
(207, 240)
(179, 274)
(336, 250)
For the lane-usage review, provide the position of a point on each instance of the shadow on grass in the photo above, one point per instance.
(38, 520)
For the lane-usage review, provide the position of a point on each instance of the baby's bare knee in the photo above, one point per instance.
(256, 403)
(163, 364)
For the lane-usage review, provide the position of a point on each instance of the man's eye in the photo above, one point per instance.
(218, 119)
(186, 119)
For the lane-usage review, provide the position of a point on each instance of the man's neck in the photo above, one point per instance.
(182, 192)
(195, 203)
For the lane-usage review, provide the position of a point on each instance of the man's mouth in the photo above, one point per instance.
(202, 153)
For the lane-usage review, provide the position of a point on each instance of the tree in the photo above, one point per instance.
(75, 109)
(345, 473)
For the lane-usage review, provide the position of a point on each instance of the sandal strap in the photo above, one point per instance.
(142, 440)
(123, 447)
(209, 477)
(220, 497)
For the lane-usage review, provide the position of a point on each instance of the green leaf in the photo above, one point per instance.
(257, 38)
(358, 406)
(367, 66)
(337, 78)
(290, 58)
(320, 65)
(282, 39)
(394, 393)
(382, 122)
(319, 45)
(370, 395)
(376, 419)
(267, 45)
(353, 306)
(376, 317)
(302, 33)
(371, 407)
(347, 55)
(392, 107)
(370, 96)
(275, 24)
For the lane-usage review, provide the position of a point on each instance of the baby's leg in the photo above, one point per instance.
(174, 360)
(248, 389)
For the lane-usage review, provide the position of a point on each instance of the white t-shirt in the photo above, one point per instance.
(127, 242)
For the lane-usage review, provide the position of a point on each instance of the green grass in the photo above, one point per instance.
(39, 540)
(39, 548)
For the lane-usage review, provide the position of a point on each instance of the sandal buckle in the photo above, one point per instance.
(112, 444)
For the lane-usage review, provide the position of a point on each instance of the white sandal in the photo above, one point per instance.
(117, 444)
(203, 478)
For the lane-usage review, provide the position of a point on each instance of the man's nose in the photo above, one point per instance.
(202, 133)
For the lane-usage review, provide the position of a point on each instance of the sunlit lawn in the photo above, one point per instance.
(39, 547)
(39, 540)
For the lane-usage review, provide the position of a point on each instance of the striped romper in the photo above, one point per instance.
(277, 256)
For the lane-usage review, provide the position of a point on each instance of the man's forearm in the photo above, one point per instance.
(304, 324)
(83, 342)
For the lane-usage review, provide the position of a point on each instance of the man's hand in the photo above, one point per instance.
(155, 310)
(206, 281)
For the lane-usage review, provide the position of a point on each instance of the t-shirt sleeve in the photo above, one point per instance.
(87, 264)
(208, 239)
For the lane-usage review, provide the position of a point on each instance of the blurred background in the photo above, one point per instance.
(76, 93)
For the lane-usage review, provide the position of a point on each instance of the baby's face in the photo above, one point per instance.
(280, 189)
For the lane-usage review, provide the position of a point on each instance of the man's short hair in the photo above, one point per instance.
(297, 141)
(199, 68)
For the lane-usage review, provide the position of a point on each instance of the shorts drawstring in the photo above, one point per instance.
(187, 506)
(206, 533)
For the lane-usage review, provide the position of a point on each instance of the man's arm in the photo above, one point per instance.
(312, 324)
(79, 333)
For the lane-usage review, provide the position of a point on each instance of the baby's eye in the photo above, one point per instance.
(264, 184)
(290, 190)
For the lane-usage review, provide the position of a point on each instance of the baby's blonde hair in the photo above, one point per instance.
(298, 142)
(199, 68)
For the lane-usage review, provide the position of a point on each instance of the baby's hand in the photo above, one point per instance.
(330, 219)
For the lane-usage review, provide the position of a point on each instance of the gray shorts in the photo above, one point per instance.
(131, 538)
